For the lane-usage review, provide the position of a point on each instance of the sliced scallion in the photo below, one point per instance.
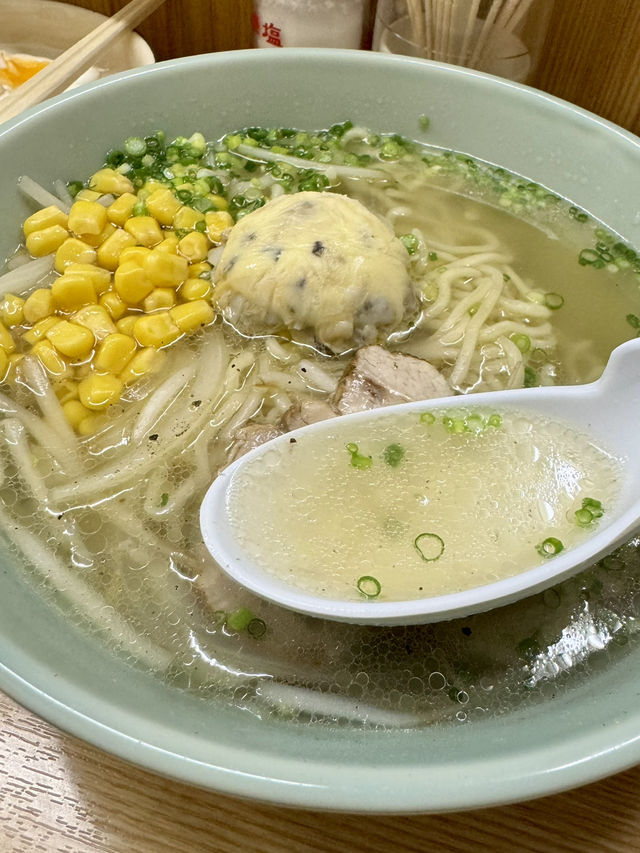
(553, 301)
(369, 586)
(430, 546)
(393, 455)
(523, 342)
(357, 459)
(549, 547)
(427, 418)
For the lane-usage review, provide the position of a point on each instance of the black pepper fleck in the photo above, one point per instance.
(153, 437)
(318, 248)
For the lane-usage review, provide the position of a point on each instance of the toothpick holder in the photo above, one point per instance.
(501, 37)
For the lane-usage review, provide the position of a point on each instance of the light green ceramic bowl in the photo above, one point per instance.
(588, 731)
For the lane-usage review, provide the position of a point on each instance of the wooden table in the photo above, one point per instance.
(59, 795)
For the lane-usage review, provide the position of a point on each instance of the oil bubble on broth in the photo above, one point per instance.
(99, 503)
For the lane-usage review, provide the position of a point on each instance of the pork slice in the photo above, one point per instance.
(252, 435)
(377, 377)
(305, 413)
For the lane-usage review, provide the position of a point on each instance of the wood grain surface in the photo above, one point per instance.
(59, 795)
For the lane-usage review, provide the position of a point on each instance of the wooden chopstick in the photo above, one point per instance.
(75, 60)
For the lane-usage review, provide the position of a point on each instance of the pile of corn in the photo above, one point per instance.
(133, 278)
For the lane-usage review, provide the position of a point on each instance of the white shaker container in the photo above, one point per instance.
(311, 23)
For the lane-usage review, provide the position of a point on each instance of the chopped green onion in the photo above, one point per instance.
(164, 499)
(393, 455)
(239, 620)
(553, 301)
(427, 418)
(424, 122)
(433, 256)
(583, 517)
(589, 511)
(523, 342)
(134, 146)
(634, 321)
(357, 459)
(530, 378)
(475, 423)
(410, 242)
(454, 425)
(430, 546)
(550, 547)
(369, 586)
(74, 188)
(473, 309)
(494, 420)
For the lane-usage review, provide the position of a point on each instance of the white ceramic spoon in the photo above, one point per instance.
(607, 410)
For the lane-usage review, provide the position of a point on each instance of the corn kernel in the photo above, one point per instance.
(44, 218)
(192, 315)
(160, 297)
(125, 324)
(156, 330)
(143, 362)
(4, 365)
(187, 218)
(196, 270)
(74, 251)
(100, 278)
(110, 181)
(196, 288)
(121, 209)
(37, 332)
(14, 359)
(45, 241)
(50, 359)
(169, 244)
(99, 391)
(166, 270)
(90, 425)
(87, 195)
(218, 201)
(70, 292)
(87, 217)
(151, 185)
(163, 205)
(12, 310)
(96, 240)
(70, 339)
(109, 252)
(218, 222)
(145, 229)
(75, 412)
(6, 340)
(96, 318)
(194, 246)
(132, 283)
(134, 253)
(114, 353)
(38, 305)
(116, 308)
(66, 389)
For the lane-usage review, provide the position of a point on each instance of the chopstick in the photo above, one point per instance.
(75, 60)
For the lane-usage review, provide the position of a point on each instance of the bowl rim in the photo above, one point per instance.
(589, 756)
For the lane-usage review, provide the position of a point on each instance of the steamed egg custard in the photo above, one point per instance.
(415, 507)
(315, 261)
(148, 338)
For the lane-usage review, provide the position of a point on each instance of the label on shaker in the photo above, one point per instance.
(308, 23)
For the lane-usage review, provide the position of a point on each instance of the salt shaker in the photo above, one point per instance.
(312, 23)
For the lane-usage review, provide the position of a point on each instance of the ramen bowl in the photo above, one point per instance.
(573, 716)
